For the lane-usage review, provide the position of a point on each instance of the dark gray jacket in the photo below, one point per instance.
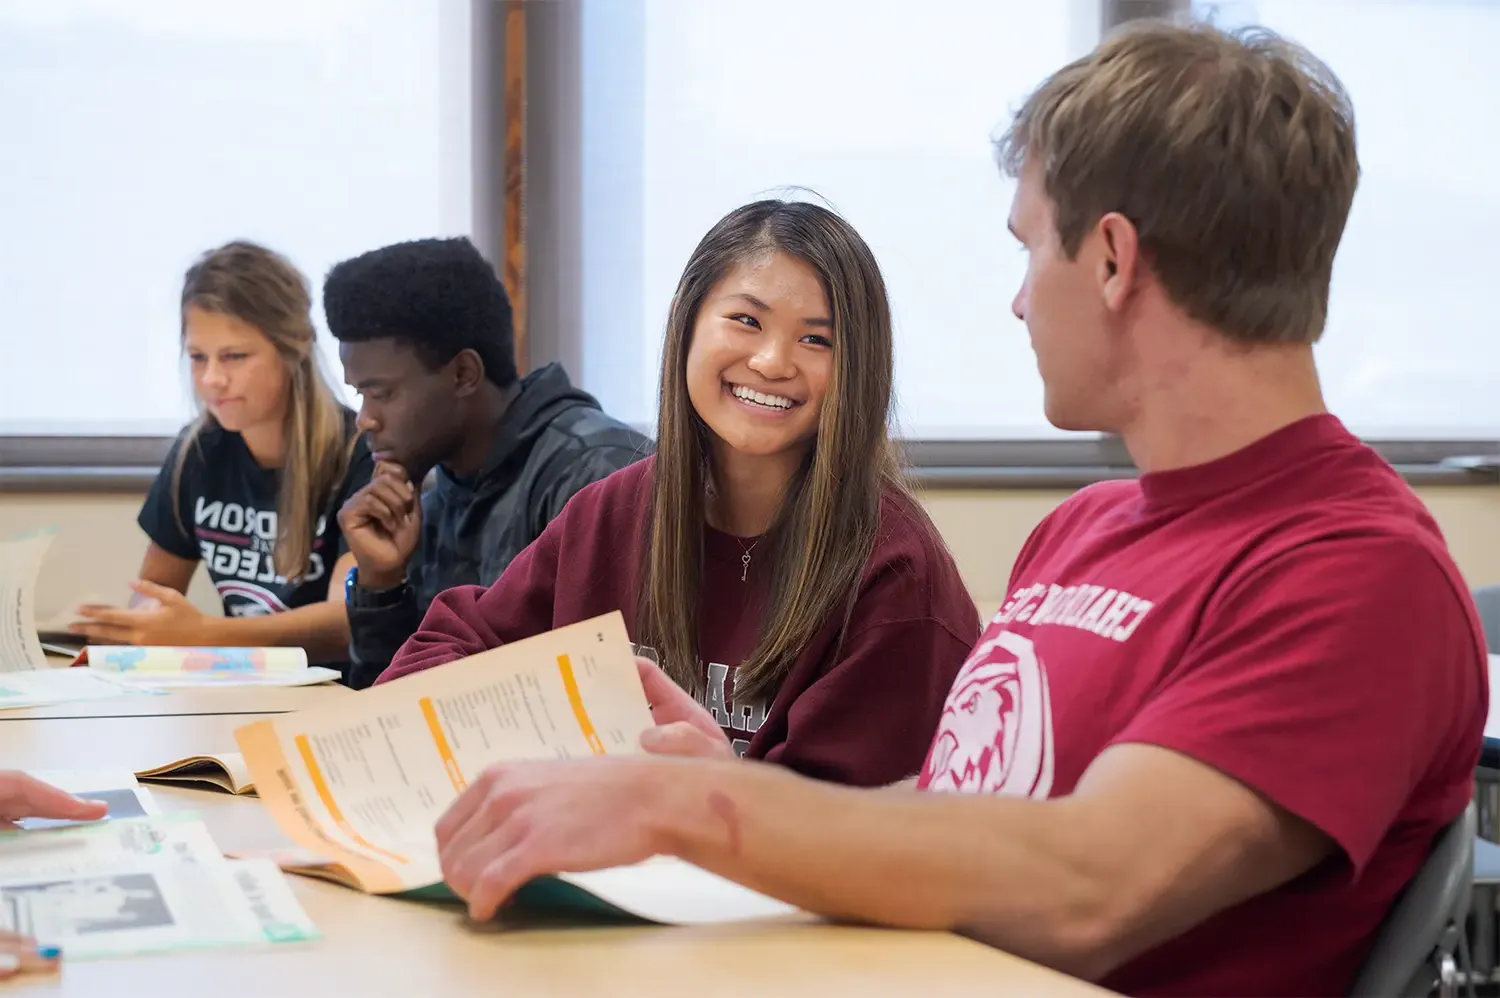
(552, 441)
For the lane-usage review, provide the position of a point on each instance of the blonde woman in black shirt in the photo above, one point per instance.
(252, 486)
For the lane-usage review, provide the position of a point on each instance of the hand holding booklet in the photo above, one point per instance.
(361, 781)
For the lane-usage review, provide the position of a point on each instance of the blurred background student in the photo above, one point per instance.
(252, 486)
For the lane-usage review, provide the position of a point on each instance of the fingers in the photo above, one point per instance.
(465, 805)
(24, 796)
(683, 739)
(380, 502)
(475, 837)
(398, 496)
(162, 594)
(497, 882)
(668, 700)
(485, 824)
(389, 469)
(104, 634)
(111, 615)
(22, 955)
(465, 861)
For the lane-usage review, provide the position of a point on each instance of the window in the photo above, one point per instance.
(139, 134)
(882, 108)
(1411, 348)
(886, 110)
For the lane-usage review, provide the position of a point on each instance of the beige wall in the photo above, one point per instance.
(99, 546)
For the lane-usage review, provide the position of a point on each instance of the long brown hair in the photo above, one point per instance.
(263, 289)
(825, 529)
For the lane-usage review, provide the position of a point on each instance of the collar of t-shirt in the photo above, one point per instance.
(1292, 444)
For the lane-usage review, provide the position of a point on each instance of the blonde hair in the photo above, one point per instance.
(1232, 153)
(263, 289)
(826, 528)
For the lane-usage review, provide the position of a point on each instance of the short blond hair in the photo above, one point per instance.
(1232, 153)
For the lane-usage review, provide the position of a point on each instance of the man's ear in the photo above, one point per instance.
(468, 373)
(1120, 262)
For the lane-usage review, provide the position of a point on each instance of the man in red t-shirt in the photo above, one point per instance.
(1225, 709)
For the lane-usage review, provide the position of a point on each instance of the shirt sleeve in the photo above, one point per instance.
(869, 720)
(1334, 679)
(570, 473)
(376, 634)
(467, 620)
(166, 514)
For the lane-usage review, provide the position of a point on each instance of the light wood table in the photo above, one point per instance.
(190, 700)
(382, 946)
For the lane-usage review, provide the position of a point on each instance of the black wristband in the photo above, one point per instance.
(357, 597)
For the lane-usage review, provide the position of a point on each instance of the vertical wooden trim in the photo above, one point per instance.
(514, 167)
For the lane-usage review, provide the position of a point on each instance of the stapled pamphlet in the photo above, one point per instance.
(141, 885)
(223, 770)
(360, 782)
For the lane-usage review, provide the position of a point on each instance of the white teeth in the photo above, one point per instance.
(761, 398)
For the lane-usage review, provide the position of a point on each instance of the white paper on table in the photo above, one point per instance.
(670, 891)
(116, 787)
(45, 687)
(20, 564)
(140, 885)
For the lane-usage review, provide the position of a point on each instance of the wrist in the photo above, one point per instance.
(685, 814)
(202, 633)
(377, 578)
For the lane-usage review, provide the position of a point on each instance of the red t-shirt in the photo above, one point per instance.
(1289, 615)
(860, 712)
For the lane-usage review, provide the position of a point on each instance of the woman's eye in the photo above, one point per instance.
(817, 340)
(745, 320)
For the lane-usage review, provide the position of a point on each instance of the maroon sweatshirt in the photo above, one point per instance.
(862, 713)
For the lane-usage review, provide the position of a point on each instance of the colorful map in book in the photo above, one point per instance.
(137, 659)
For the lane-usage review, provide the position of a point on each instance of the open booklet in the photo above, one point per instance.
(360, 782)
(27, 679)
(161, 667)
(116, 670)
(20, 565)
(224, 771)
(141, 885)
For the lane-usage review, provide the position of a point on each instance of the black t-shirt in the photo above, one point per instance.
(227, 503)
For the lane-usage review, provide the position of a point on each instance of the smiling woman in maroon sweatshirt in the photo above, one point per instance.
(769, 555)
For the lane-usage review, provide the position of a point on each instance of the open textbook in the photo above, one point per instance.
(224, 770)
(116, 670)
(141, 885)
(162, 667)
(361, 781)
(20, 564)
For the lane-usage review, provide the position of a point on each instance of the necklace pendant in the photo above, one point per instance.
(744, 567)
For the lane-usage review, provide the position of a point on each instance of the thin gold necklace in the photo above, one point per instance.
(745, 558)
(711, 495)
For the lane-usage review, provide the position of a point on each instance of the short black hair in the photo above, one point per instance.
(438, 296)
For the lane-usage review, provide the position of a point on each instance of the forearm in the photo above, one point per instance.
(1007, 871)
(321, 628)
(377, 634)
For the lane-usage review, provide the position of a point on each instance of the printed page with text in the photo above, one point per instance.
(364, 779)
